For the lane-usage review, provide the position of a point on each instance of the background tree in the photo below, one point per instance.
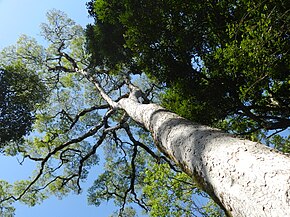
(21, 92)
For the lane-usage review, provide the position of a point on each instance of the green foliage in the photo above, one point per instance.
(173, 194)
(21, 92)
(282, 143)
(256, 60)
(105, 43)
(6, 209)
(161, 35)
(201, 108)
(224, 61)
(32, 197)
(115, 183)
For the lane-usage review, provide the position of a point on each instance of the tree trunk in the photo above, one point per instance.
(246, 178)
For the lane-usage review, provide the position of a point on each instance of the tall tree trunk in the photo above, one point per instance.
(246, 178)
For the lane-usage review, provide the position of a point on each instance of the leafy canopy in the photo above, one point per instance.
(21, 92)
(225, 63)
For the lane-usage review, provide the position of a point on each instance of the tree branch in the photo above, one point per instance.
(102, 92)
(57, 149)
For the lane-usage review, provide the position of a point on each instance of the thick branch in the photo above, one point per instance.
(102, 92)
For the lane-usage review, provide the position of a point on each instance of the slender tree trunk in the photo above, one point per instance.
(246, 178)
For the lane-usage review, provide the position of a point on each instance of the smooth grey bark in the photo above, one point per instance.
(246, 178)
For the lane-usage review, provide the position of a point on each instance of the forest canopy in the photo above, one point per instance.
(220, 63)
(225, 63)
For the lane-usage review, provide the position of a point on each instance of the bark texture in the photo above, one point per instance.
(245, 177)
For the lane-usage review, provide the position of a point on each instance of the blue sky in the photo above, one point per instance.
(24, 17)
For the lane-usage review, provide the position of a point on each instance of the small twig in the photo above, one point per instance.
(84, 112)
(88, 155)
(277, 131)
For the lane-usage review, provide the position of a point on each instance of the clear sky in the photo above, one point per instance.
(24, 17)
